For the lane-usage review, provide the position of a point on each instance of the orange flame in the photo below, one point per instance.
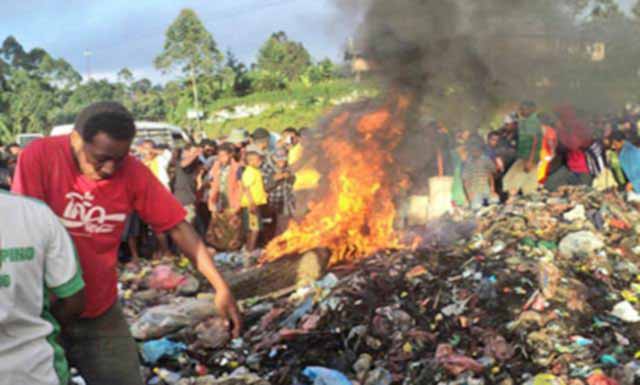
(355, 217)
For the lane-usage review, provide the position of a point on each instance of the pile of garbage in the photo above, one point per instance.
(545, 290)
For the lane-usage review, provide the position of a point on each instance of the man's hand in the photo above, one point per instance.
(253, 208)
(194, 248)
(629, 187)
(226, 305)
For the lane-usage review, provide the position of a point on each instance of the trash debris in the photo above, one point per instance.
(580, 244)
(626, 312)
(522, 294)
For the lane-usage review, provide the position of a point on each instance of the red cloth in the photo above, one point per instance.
(572, 131)
(577, 162)
(94, 212)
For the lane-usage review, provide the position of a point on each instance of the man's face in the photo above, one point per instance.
(209, 151)
(14, 150)
(254, 160)
(262, 144)
(290, 138)
(617, 145)
(281, 163)
(103, 156)
(224, 157)
(525, 112)
(493, 141)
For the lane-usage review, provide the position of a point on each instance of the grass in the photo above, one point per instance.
(298, 106)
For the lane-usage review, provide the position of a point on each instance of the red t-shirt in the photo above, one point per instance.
(577, 162)
(94, 212)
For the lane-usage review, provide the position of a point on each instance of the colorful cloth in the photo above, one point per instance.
(476, 173)
(307, 177)
(458, 195)
(529, 129)
(254, 185)
(596, 158)
(225, 231)
(517, 179)
(225, 182)
(547, 152)
(614, 162)
(577, 162)
(630, 163)
(281, 192)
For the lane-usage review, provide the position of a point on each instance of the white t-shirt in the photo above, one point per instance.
(36, 256)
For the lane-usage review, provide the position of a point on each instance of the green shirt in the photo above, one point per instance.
(528, 129)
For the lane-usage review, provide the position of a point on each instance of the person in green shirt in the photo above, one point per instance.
(522, 176)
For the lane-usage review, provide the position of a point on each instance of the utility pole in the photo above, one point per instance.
(87, 54)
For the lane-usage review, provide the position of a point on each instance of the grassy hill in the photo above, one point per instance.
(298, 106)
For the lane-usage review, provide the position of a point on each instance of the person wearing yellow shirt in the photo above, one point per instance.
(253, 196)
(307, 178)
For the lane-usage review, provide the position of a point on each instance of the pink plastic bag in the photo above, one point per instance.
(163, 277)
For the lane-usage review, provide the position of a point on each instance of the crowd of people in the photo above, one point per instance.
(534, 151)
(238, 191)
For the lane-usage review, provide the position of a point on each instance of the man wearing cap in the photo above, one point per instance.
(522, 177)
(91, 183)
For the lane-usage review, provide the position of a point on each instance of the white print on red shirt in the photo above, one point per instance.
(80, 212)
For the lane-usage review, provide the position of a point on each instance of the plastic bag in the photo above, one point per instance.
(154, 350)
(159, 321)
(325, 376)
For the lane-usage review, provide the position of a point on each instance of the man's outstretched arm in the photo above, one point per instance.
(194, 248)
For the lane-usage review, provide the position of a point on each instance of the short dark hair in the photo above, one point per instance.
(291, 130)
(11, 145)
(528, 104)
(617, 136)
(208, 142)
(493, 134)
(112, 118)
(227, 147)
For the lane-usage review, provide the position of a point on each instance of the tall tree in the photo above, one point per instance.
(189, 48)
(279, 54)
(636, 10)
(125, 76)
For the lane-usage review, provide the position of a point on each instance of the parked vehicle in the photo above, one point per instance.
(161, 133)
(24, 139)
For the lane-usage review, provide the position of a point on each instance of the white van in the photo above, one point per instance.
(160, 133)
(24, 139)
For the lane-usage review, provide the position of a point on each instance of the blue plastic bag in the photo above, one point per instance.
(325, 376)
(154, 350)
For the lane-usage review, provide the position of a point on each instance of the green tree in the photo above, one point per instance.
(242, 80)
(191, 49)
(636, 10)
(29, 100)
(281, 55)
(322, 71)
(125, 76)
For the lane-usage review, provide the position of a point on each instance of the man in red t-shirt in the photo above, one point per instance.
(92, 183)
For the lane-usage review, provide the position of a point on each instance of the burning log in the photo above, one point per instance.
(289, 271)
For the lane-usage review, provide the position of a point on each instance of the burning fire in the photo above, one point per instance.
(355, 217)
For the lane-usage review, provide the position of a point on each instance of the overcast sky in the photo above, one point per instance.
(130, 33)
